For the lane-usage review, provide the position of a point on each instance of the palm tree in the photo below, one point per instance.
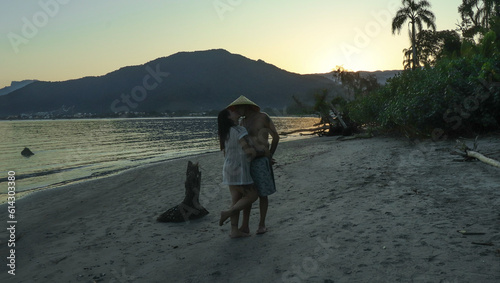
(417, 14)
(476, 15)
(407, 61)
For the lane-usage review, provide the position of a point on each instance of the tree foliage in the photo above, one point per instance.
(476, 16)
(437, 44)
(457, 92)
(355, 83)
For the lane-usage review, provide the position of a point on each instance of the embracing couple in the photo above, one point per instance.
(248, 162)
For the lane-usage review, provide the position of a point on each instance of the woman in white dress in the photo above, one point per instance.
(238, 153)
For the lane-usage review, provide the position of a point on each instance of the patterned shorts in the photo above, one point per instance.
(263, 176)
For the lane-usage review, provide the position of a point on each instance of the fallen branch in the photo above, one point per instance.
(483, 244)
(311, 134)
(306, 130)
(463, 232)
(471, 153)
(337, 113)
(357, 136)
(483, 158)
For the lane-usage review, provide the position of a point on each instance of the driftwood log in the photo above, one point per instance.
(322, 128)
(357, 136)
(190, 208)
(471, 153)
(337, 113)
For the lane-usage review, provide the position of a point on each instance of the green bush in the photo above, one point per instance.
(456, 95)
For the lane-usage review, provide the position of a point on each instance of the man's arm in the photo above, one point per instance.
(274, 135)
(245, 145)
(249, 148)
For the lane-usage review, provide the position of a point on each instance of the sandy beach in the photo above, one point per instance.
(368, 210)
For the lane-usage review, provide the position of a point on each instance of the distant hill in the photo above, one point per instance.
(191, 81)
(15, 86)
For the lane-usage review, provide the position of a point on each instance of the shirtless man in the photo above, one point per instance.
(259, 126)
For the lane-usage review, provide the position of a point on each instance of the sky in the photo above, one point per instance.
(58, 40)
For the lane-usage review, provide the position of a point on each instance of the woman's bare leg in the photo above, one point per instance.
(241, 198)
(236, 195)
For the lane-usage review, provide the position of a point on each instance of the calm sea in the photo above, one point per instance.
(68, 151)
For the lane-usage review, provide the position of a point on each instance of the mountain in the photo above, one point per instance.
(15, 86)
(185, 81)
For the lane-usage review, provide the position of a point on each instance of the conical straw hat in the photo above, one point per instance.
(242, 100)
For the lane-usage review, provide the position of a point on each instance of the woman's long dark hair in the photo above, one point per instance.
(224, 126)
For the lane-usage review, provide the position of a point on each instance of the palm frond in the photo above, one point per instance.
(398, 21)
(424, 4)
(429, 20)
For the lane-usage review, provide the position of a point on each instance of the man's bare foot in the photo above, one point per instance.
(261, 230)
(238, 234)
(224, 215)
(245, 230)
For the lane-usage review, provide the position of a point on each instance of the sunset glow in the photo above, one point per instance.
(56, 40)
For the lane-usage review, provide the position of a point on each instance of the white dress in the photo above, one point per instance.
(236, 170)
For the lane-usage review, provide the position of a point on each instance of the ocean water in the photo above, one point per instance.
(68, 151)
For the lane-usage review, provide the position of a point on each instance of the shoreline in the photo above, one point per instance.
(366, 210)
(23, 194)
(83, 180)
(146, 118)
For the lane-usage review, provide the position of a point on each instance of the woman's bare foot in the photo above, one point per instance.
(224, 215)
(238, 234)
(261, 230)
